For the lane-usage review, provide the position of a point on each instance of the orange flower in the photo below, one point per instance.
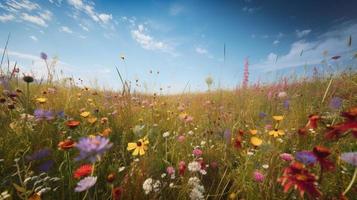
(66, 144)
(106, 132)
(72, 123)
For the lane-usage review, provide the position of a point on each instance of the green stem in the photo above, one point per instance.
(351, 183)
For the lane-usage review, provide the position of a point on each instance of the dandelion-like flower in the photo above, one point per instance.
(92, 148)
(85, 183)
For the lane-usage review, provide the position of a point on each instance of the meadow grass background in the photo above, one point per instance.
(132, 116)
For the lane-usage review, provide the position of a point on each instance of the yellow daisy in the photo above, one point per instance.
(278, 118)
(139, 147)
(92, 120)
(85, 114)
(256, 141)
(276, 132)
(41, 100)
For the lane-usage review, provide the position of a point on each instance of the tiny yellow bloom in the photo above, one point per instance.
(90, 100)
(92, 120)
(253, 132)
(276, 133)
(233, 196)
(139, 147)
(278, 117)
(85, 114)
(41, 100)
(256, 141)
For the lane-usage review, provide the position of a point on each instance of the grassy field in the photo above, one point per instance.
(287, 140)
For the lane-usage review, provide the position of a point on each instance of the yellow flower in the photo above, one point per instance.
(92, 120)
(276, 132)
(278, 117)
(90, 100)
(85, 114)
(233, 196)
(256, 141)
(41, 100)
(253, 132)
(139, 147)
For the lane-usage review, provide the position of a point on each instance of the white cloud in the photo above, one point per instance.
(105, 18)
(176, 9)
(302, 33)
(34, 38)
(34, 19)
(146, 41)
(250, 9)
(6, 17)
(276, 42)
(46, 15)
(65, 29)
(304, 52)
(84, 27)
(16, 5)
(88, 8)
(200, 50)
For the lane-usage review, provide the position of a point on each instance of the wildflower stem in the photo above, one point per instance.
(327, 89)
(351, 183)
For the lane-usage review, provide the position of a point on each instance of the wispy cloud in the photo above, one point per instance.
(84, 27)
(250, 9)
(276, 42)
(200, 50)
(34, 19)
(17, 5)
(146, 41)
(65, 29)
(176, 9)
(34, 38)
(6, 17)
(304, 52)
(302, 33)
(89, 9)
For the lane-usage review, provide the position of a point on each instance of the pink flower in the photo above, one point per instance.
(181, 138)
(286, 156)
(189, 119)
(170, 170)
(197, 152)
(268, 127)
(258, 176)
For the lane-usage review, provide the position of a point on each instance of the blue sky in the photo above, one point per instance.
(183, 40)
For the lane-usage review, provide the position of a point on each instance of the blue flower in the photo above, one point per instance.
(306, 157)
(38, 155)
(92, 148)
(45, 166)
(43, 115)
(85, 183)
(335, 103)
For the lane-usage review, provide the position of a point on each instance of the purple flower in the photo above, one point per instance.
(262, 114)
(335, 103)
(92, 148)
(306, 157)
(42, 153)
(42, 115)
(43, 56)
(85, 183)
(350, 157)
(286, 157)
(286, 104)
(45, 166)
(227, 136)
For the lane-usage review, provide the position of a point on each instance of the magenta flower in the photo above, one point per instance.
(170, 170)
(85, 183)
(258, 176)
(197, 152)
(287, 157)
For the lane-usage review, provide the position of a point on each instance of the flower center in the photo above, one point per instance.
(139, 144)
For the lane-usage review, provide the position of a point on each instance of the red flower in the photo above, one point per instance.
(182, 167)
(321, 153)
(313, 119)
(339, 129)
(351, 114)
(297, 176)
(83, 170)
(117, 193)
(72, 123)
(238, 142)
(66, 144)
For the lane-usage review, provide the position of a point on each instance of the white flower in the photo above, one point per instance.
(197, 189)
(265, 166)
(282, 94)
(190, 133)
(249, 153)
(172, 185)
(147, 185)
(163, 175)
(156, 186)
(166, 134)
(194, 166)
(121, 169)
(203, 143)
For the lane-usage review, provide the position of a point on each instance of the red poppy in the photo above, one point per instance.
(298, 177)
(72, 123)
(82, 171)
(339, 129)
(117, 193)
(321, 154)
(66, 144)
(313, 119)
(351, 114)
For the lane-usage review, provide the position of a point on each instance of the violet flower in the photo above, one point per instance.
(85, 183)
(306, 157)
(92, 148)
(43, 115)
